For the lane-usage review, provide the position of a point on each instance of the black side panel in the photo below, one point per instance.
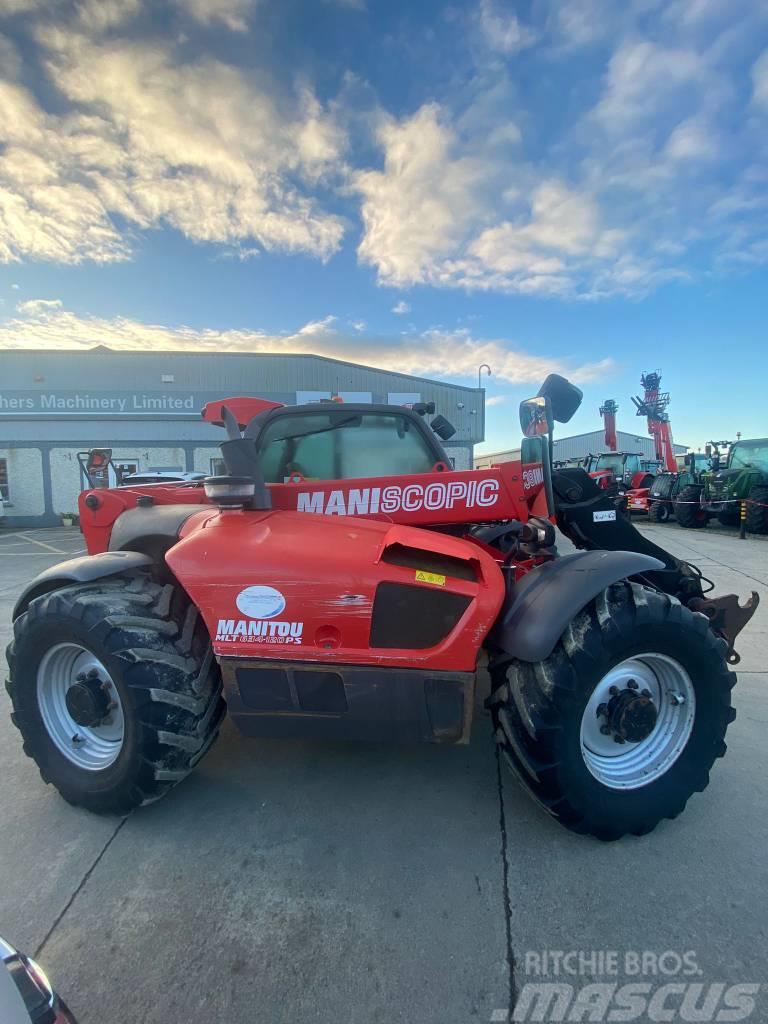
(153, 530)
(589, 518)
(542, 604)
(414, 617)
(79, 570)
(348, 702)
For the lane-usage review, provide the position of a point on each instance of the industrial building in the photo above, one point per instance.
(145, 406)
(579, 445)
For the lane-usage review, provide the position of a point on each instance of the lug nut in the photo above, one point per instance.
(613, 691)
(645, 693)
(632, 684)
(93, 674)
(619, 739)
(80, 677)
(602, 709)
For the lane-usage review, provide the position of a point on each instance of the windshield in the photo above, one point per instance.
(749, 456)
(329, 446)
(614, 462)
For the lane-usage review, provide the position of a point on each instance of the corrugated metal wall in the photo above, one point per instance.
(579, 445)
(277, 377)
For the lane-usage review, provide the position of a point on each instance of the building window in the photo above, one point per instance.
(5, 494)
(218, 468)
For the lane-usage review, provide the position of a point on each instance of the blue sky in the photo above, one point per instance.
(579, 186)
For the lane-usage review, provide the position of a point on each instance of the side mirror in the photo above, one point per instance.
(442, 427)
(564, 397)
(535, 416)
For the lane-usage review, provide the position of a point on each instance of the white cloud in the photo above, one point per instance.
(502, 29)
(760, 80)
(643, 79)
(38, 307)
(495, 400)
(692, 139)
(417, 210)
(443, 354)
(232, 13)
(197, 146)
(401, 308)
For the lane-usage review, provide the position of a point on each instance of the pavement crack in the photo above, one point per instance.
(79, 888)
(511, 962)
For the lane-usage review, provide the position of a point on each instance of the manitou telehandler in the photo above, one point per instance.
(341, 581)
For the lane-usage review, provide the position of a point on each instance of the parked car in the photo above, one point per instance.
(25, 992)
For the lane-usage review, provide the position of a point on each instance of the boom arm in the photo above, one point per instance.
(608, 411)
(653, 406)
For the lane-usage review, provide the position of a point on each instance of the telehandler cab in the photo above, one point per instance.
(341, 581)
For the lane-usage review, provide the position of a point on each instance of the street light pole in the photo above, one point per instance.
(481, 367)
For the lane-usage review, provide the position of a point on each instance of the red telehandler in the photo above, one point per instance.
(615, 471)
(342, 581)
(653, 406)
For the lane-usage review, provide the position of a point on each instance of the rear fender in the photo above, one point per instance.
(79, 570)
(543, 602)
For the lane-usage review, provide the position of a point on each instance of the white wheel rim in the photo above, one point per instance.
(93, 748)
(632, 765)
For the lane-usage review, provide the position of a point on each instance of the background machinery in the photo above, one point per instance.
(740, 476)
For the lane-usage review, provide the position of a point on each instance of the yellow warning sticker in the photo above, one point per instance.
(430, 577)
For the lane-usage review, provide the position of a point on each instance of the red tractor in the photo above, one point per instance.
(341, 581)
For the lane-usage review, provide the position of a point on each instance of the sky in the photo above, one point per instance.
(574, 186)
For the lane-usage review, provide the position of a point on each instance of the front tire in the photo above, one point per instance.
(557, 729)
(757, 510)
(114, 689)
(688, 511)
(659, 511)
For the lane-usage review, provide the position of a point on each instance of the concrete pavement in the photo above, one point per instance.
(287, 881)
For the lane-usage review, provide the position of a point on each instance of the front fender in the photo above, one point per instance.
(79, 570)
(541, 605)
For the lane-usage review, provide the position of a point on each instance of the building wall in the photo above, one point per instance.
(25, 483)
(65, 470)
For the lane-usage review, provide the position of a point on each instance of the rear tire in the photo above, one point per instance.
(688, 511)
(156, 653)
(540, 711)
(757, 514)
(659, 511)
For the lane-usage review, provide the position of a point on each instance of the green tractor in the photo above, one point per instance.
(742, 475)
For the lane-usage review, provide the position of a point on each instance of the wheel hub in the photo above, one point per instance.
(638, 720)
(80, 706)
(88, 700)
(630, 716)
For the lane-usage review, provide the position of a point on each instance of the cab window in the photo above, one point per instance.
(324, 446)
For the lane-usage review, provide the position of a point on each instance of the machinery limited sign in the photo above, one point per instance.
(100, 403)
